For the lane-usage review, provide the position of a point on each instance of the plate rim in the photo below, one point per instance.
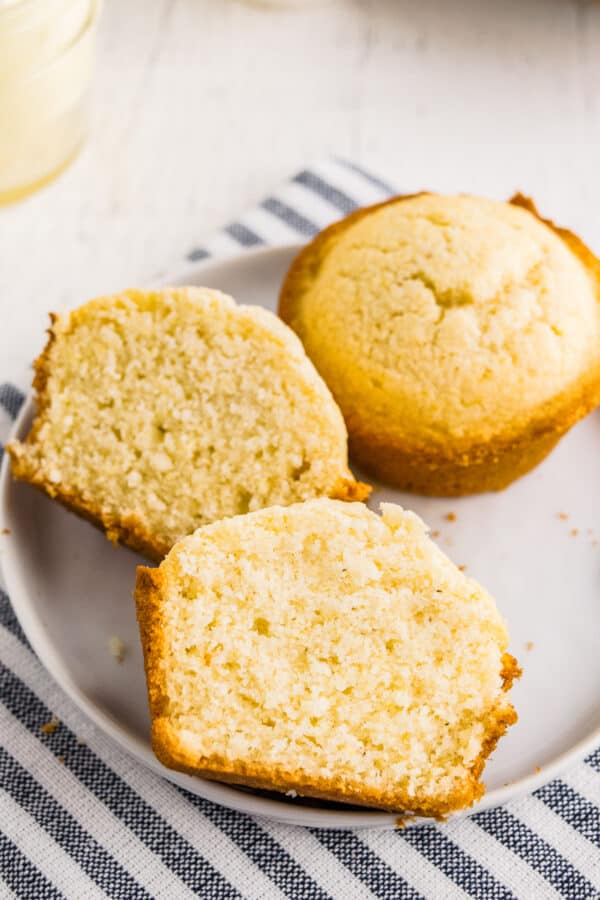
(217, 792)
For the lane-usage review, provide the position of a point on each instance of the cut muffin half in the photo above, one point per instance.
(326, 650)
(161, 411)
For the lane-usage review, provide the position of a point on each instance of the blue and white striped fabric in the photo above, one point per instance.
(82, 820)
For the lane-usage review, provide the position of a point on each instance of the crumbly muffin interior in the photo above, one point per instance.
(178, 408)
(447, 315)
(326, 641)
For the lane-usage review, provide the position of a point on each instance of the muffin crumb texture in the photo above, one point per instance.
(325, 650)
(161, 411)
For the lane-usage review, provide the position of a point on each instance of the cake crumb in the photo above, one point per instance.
(529, 645)
(574, 532)
(450, 517)
(563, 516)
(435, 534)
(51, 726)
(6, 531)
(293, 794)
(117, 648)
(402, 821)
(462, 568)
(60, 758)
(538, 769)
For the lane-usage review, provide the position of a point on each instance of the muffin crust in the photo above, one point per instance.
(460, 336)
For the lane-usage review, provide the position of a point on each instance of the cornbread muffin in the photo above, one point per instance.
(161, 411)
(324, 649)
(460, 336)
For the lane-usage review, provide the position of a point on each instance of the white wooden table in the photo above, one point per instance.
(201, 106)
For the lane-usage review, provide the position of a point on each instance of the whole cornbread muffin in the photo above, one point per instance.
(460, 336)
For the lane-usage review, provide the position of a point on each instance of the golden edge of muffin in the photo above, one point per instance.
(460, 467)
(127, 530)
(169, 750)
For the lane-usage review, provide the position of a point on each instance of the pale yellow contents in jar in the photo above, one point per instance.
(46, 49)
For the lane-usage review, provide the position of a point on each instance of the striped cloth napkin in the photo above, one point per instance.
(80, 819)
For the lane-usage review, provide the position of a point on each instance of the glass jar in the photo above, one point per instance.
(46, 52)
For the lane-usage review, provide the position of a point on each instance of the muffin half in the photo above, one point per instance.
(158, 412)
(460, 336)
(328, 651)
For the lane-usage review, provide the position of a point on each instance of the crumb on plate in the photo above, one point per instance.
(117, 648)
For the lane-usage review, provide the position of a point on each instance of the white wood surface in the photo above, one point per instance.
(199, 107)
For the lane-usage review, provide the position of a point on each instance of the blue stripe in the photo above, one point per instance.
(11, 398)
(21, 876)
(262, 849)
(580, 814)
(273, 860)
(9, 620)
(243, 235)
(365, 865)
(290, 216)
(536, 852)
(325, 190)
(462, 869)
(95, 861)
(198, 254)
(593, 760)
(385, 186)
(137, 815)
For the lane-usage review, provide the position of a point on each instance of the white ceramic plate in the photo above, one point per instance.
(72, 590)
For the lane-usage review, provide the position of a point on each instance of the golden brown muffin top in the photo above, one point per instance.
(459, 315)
